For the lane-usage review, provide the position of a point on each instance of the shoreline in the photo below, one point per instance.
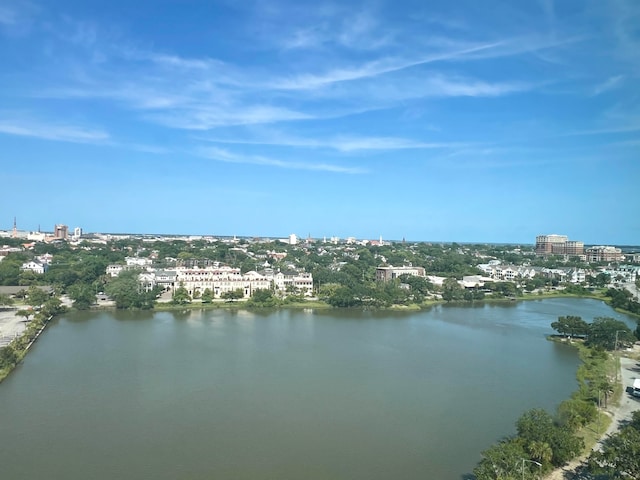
(619, 412)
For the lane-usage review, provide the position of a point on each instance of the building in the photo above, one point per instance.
(574, 248)
(224, 279)
(385, 274)
(61, 232)
(550, 244)
(293, 282)
(603, 253)
(558, 245)
(35, 266)
(138, 261)
(36, 236)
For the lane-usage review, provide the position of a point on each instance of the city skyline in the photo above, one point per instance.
(467, 122)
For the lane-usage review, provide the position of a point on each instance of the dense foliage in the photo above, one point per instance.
(541, 444)
(619, 457)
(622, 298)
(604, 332)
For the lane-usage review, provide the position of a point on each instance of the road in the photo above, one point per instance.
(630, 370)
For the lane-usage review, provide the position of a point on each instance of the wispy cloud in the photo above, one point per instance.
(328, 26)
(345, 144)
(209, 117)
(223, 155)
(609, 84)
(53, 131)
(24, 126)
(370, 69)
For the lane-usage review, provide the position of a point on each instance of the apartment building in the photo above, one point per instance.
(222, 279)
(558, 245)
(385, 274)
(603, 253)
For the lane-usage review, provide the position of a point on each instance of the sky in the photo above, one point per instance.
(464, 121)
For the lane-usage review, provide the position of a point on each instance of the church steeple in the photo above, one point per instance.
(15, 228)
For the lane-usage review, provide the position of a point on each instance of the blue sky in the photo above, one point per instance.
(461, 121)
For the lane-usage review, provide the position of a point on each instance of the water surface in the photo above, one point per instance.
(281, 395)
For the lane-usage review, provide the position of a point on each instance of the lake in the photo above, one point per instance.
(285, 394)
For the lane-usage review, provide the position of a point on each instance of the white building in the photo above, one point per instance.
(294, 282)
(138, 261)
(35, 266)
(220, 280)
(36, 236)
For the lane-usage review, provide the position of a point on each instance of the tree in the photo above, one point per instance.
(36, 296)
(602, 280)
(28, 277)
(575, 413)
(232, 295)
(8, 357)
(125, 290)
(620, 453)
(537, 425)
(180, 296)
(604, 332)
(10, 269)
(25, 313)
(418, 284)
(540, 452)
(501, 461)
(207, 296)
(571, 326)
(262, 298)
(52, 307)
(5, 299)
(452, 290)
(344, 297)
(82, 296)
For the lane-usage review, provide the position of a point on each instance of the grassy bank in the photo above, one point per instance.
(14, 353)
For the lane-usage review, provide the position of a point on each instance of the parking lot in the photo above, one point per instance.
(11, 325)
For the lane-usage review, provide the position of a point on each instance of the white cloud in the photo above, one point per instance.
(609, 84)
(370, 69)
(222, 155)
(53, 131)
(344, 144)
(208, 117)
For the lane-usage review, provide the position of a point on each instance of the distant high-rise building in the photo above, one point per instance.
(61, 232)
(558, 245)
(603, 253)
(550, 244)
(77, 233)
(573, 247)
